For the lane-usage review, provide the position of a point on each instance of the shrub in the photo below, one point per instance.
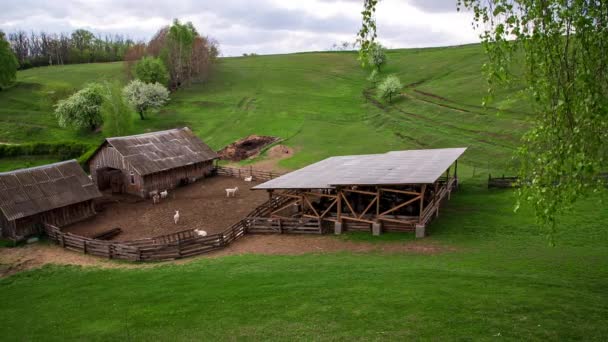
(151, 70)
(377, 56)
(116, 113)
(64, 150)
(390, 87)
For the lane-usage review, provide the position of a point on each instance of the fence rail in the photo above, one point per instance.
(244, 172)
(284, 225)
(181, 244)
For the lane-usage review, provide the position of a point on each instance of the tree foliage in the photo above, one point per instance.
(8, 63)
(151, 70)
(82, 109)
(367, 34)
(389, 87)
(116, 113)
(186, 55)
(373, 76)
(563, 45)
(376, 56)
(144, 96)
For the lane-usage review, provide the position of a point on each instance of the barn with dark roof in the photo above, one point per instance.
(58, 194)
(140, 164)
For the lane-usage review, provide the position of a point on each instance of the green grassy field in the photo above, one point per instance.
(498, 278)
(315, 101)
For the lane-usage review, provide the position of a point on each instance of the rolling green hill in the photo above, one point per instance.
(495, 277)
(319, 102)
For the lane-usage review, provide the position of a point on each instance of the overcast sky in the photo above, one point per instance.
(245, 26)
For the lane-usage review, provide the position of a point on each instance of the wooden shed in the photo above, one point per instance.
(393, 191)
(156, 161)
(59, 194)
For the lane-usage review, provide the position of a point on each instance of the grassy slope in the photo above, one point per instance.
(501, 278)
(314, 100)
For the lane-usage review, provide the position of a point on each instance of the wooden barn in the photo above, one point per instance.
(58, 194)
(156, 161)
(393, 191)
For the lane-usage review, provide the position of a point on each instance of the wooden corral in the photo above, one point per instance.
(157, 161)
(346, 193)
(58, 194)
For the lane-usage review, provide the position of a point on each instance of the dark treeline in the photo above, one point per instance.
(81, 46)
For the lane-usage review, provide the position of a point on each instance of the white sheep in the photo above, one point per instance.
(248, 179)
(155, 199)
(232, 191)
(164, 194)
(176, 217)
(200, 232)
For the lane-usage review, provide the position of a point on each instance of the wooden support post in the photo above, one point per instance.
(456, 173)
(339, 203)
(270, 194)
(422, 191)
(378, 194)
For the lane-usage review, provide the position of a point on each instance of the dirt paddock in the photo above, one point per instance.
(201, 205)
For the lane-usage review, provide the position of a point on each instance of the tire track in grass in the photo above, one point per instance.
(436, 123)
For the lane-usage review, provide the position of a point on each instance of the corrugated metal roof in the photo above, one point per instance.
(27, 192)
(159, 151)
(396, 167)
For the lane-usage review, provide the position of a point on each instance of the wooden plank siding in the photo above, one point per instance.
(134, 183)
(31, 225)
(173, 178)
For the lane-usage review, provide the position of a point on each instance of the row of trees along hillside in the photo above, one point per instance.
(81, 46)
(186, 55)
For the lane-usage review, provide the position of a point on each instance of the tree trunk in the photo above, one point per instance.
(141, 114)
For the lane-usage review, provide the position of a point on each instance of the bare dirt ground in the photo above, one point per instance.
(272, 158)
(201, 205)
(13, 260)
(304, 244)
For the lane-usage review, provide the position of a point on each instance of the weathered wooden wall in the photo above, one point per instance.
(31, 225)
(173, 178)
(108, 157)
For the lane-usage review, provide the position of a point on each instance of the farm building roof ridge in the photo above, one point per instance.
(27, 192)
(154, 152)
(390, 168)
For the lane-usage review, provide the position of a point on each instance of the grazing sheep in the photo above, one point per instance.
(232, 191)
(155, 199)
(164, 194)
(248, 179)
(176, 216)
(200, 232)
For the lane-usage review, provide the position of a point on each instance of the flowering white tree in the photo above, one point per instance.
(82, 109)
(390, 87)
(143, 96)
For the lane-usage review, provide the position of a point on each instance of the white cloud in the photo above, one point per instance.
(262, 26)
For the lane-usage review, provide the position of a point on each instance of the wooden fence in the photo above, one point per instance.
(284, 225)
(503, 182)
(433, 209)
(513, 182)
(244, 172)
(161, 248)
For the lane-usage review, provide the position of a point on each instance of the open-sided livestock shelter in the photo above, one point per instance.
(393, 191)
(156, 161)
(58, 194)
